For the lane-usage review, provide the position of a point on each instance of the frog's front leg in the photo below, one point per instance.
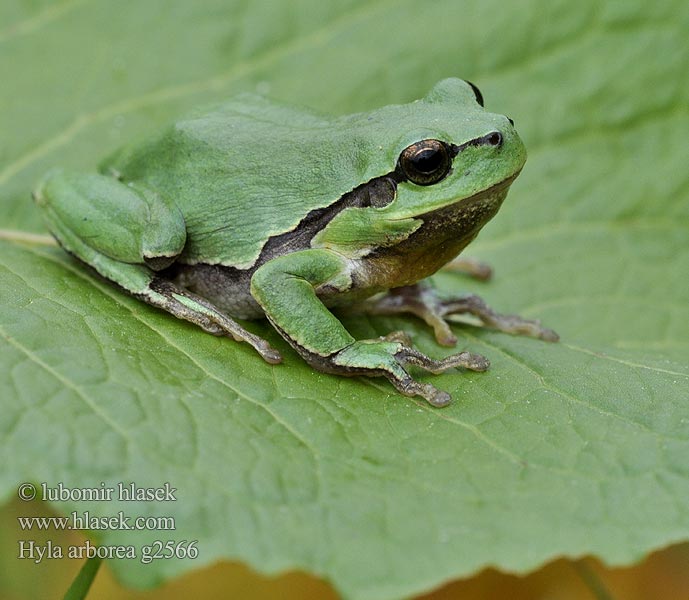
(127, 233)
(286, 288)
(426, 303)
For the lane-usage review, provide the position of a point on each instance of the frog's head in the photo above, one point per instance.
(452, 163)
(451, 149)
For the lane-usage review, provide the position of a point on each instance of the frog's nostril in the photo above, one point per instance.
(495, 139)
(511, 121)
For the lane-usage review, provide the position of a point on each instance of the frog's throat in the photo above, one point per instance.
(443, 234)
(464, 218)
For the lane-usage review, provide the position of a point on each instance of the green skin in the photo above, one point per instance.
(258, 209)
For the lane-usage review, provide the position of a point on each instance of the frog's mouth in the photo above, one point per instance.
(486, 201)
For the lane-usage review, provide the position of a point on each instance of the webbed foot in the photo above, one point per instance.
(388, 356)
(424, 302)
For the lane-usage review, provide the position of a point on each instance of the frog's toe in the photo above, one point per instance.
(548, 335)
(514, 324)
(398, 336)
(466, 360)
(430, 393)
(470, 266)
(269, 354)
(410, 387)
(441, 329)
(518, 326)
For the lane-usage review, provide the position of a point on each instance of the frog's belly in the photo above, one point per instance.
(229, 289)
(226, 287)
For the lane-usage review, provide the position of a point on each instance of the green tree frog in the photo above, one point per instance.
(259, 209)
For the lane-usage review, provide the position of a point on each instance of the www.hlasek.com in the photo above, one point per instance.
(86, 520)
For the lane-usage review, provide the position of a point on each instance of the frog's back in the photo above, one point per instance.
(244, 172)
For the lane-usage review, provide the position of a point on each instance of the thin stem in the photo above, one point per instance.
(81, 585)
(13, 235)
(591, 579)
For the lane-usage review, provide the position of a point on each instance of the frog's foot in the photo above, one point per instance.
(387, 356)
(190, 307)
(513, 324)
(470, 266)
(422, 301)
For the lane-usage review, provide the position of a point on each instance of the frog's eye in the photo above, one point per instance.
(425, 162)
(477, 93)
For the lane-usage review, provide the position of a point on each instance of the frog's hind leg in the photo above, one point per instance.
(127, 234)
(424, 302)
(143, 283)
(190, 307)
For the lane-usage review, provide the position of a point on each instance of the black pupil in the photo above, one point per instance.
(427, 160)
(495, 139)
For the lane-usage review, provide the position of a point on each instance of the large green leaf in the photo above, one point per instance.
(571, 448)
